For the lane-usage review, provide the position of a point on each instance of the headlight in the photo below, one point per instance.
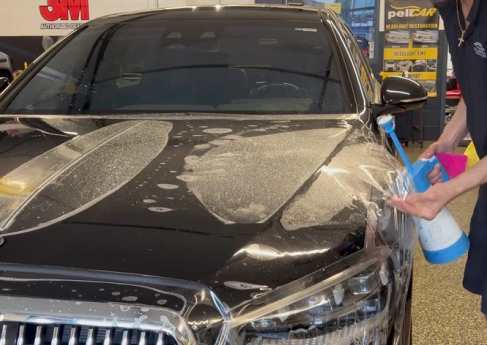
(350, 307)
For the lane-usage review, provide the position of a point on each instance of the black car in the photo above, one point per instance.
(363, 44)
(419, 66)
(6, 70)
(203, 175)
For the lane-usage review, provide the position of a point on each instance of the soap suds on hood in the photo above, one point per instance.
(160, 209)
(217, 130)
(202, 146)
(130, 299)
(187, 178)
(257, 175)
(342, 184)
(167, 186)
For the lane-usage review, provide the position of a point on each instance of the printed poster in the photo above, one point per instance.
(411, 41)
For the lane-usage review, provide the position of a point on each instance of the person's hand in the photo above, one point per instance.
(426, 205)
(440, 146)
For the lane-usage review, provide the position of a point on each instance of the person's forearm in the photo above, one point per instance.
(456, 129)
(470, 179)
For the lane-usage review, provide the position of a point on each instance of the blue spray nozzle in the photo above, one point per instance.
(419, 170)
(387, 123)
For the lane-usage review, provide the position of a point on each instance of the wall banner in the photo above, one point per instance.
(411, 41)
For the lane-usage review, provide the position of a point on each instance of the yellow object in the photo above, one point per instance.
(25, 65)
(406, 54)
(337, 7)
(471, 153)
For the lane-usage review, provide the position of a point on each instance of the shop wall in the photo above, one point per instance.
(22, 49)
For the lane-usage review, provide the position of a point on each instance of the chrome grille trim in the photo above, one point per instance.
(47, 334)
(110, 316)
(73, 336)
(160, 340)
(21, 336)
(38, 338)
(3, 336)
(143, 338)
(126, 337)
(108, 337)
(56, 336)
(91, 338)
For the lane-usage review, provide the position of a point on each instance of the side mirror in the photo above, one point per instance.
(399, 95)
(4, 83)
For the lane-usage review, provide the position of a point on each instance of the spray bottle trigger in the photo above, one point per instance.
(421, 170)
(444, 175)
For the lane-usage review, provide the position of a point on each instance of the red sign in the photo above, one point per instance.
(65, 10)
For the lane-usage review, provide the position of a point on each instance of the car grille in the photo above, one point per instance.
(13, 333)
(3, 60)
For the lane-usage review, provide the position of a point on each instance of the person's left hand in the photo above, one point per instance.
(426, 205)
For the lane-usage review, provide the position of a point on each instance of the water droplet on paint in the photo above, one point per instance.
(159, 209)
(167, 186)
(202, 146)
(187, 178)
(130, 299)
(218, 130)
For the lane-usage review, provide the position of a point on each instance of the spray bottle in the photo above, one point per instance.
(441, 239)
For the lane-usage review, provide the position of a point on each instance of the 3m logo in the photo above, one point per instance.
(411, 11)
(65, 10)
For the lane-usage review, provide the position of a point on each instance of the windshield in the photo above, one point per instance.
(223, 66)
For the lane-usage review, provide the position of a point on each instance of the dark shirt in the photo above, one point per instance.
(470, 64)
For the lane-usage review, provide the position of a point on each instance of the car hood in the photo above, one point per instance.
(233, 205)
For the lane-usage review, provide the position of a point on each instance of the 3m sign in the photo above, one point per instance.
(64, 10)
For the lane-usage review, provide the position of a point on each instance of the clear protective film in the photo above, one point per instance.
(359, 298)
(282, 227)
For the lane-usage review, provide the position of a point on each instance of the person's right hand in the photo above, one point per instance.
(440, 146)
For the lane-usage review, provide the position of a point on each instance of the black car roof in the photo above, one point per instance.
(216, 12)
